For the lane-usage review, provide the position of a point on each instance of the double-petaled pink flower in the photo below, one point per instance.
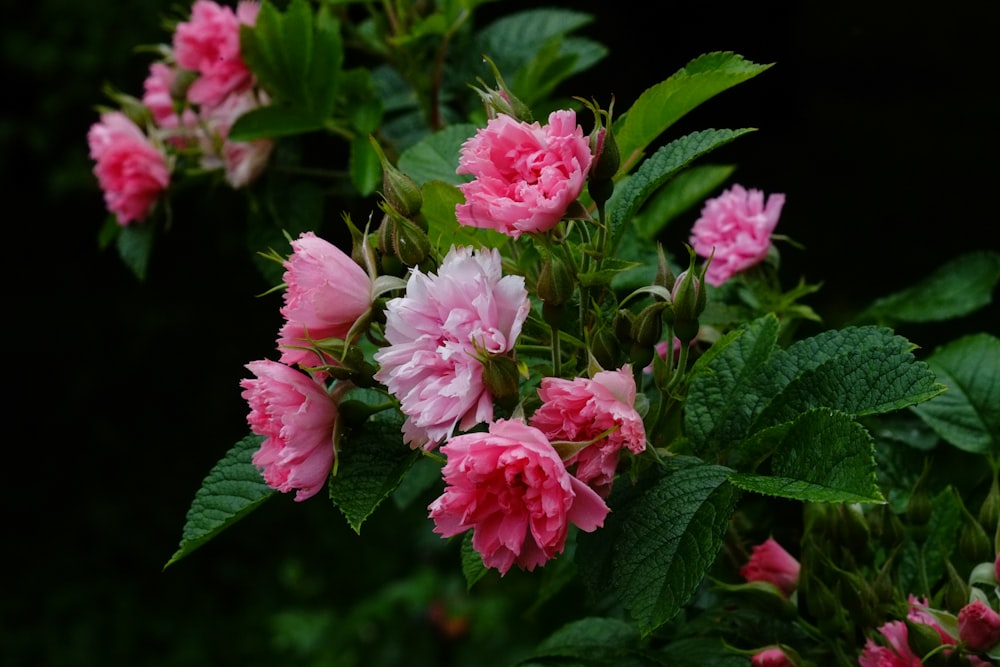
(583, 409)
(510, 487)
(209, 44)
(297, 417)
(735, 230)
(439, 335)
(243, 161)
(131, 171)
(158, 97)
(771, 563)
(526, 175)
(979, 626)
(326, 293)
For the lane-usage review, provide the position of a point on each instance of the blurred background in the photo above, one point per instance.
(879, 122)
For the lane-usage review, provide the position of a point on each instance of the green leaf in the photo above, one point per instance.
(443, 228)
(684, 191)
(665, 163)
(659, 541)
(365, 168)
(135, 247)
(968, 414)
(232, 489)
(371, 462)
(273, 122)
(822, 456)
(592, 638)
(960, 287)
(290, 207)
(662, 105)
(473, 567)
(701, 652)
(435, 158)
(922, 563)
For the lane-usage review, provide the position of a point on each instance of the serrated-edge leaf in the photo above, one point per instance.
(435, 158)
(682, 192)
(473, 567)
(593, 637)
(233, 488)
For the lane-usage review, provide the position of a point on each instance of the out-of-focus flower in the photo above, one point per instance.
(131, 171)
(978, 626)
(771, 657)
(296, 415)
(771, 563)
(896, 654)
(582, 409)
(327, 292)
(209, 44)
(526, 175)
(512, 489)
(158, 97)
(243, 161)
(440, 333)
(736, 226)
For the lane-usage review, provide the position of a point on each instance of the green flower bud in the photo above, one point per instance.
(664, 274)
(647, 327)
(606, 349)
(500, 100)
(502, 378)
(398, 189)
(640, 356)
(555, 282)
(956, 590)
(918, 507)
(973, 542)
(989, 511)
(622, 325)
(921, 637)
(402, 238)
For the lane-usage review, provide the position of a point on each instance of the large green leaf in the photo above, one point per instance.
(590, 639)
(681, 193)
(274, 122)
(960, 287)
(435, 158)
(822, 456)
(659, 541)
(443, 228)
(662, 105)
(968, 414)
(232, 489)
(135, 246)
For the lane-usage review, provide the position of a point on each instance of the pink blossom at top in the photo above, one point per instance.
(737, 227)
(526, 175)
(896, 654)
(243, 161)
(326, 293)
(131, 171)
(511, 488)
(296, 416)
(582, 409)
(979, 626)
(771, 563)
(771, 657)
(438, 335)
(209, 44)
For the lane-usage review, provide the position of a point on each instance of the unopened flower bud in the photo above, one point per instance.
(604, 147)
(555, 282)
(502, 378)
(979, 626)
(918, 507)
(179, 86)
(647, 328)
(401, 237)
(664, 274)
(398, 189)
(606, 349)
(989, 511)
(500, 100)
(622, 325)
(921, 637)
(776, 656)
(973, 542)
(956, 590)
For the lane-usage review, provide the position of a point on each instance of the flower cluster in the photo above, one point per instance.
(191, 99)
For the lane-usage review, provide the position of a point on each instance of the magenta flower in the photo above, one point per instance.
(582, 409)
(896, 654)
(526, 175)
(209, 44)
(440, 332)
(296, 415)
(131, 171)
(511, 488)
(771, 563)
(736, 226)
(157, 97)
(326, 293)
(979, 626)
(771, 657)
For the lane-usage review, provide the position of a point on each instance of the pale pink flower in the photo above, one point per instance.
(243, 161)
(979, 626)
(296, 415)
(771, 563)
(131, 171)
(511, 488)
(526, 175)
(896, 654)
(209, 44)
(440, 333)
(326, 293)
(771, 657)
(582, 409)
(737, 227)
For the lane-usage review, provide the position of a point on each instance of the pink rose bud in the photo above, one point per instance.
(771, 657)
(978, 626)
(771, 563)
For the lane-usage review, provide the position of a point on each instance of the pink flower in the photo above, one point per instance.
(918, 614)
(771, 563)
(526, 176)
(771, 657)
(737, 227)
(582, 409)
(978, 626)
(158, 98)
(243, 161)
(327, 292)
(896, 654)
(511, 488)
(131, 171)
(209, 44)
(296, 416)
(440, 332)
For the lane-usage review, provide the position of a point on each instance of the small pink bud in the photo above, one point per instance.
(978, 626)
(770, 562)
(771, 657)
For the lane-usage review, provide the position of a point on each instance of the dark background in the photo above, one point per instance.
(879, 122)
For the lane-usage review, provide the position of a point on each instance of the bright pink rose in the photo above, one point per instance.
(326, 293)
(511, 488)
(737, 226)
(771, 563)
(243, 161)
(296, 415)
(896, 654)
(771, 657)
(209, 44)
(131, 171)
(526, 176)
(582, 409)
(440, 333)
(979, 626)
